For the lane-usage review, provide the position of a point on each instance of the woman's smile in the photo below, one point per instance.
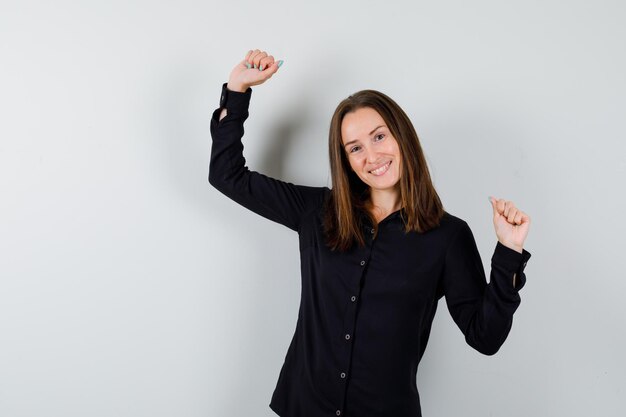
(381, 169)
(371, 149)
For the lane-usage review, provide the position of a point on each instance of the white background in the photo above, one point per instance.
(130, 287)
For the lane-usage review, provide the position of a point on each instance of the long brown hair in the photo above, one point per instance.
(345, 208)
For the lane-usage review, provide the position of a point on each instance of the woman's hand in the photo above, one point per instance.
(255, 69)
(511, 223)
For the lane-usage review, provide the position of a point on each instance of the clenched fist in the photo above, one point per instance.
(511, 223)
(256, 68)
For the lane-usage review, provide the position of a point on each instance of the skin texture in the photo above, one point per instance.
(511, 223)
(370, 148)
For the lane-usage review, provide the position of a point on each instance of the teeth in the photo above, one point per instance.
(381, 170)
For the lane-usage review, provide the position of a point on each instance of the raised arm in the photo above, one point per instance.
(483, 311)
(277, 200)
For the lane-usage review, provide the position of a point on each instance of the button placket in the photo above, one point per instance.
(348, 336)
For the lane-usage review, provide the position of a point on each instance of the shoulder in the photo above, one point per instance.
(324, 194)
(457, 232)
(451, 224)
(317, 197)
(459, 235)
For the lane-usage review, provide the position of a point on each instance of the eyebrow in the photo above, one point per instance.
(355, 140)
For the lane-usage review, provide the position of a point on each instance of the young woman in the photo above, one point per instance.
(377, 252)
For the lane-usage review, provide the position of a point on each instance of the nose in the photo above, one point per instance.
(371, 156)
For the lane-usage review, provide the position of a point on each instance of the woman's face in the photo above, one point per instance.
(372, 151)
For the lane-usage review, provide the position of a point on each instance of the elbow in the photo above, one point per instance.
(228, 181)
(216, 175)
(213, 178)
(489, 350)
(487, 337)
(216, 180)
(486, 347)
(224, 182)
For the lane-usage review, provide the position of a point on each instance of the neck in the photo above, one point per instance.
(383, 202)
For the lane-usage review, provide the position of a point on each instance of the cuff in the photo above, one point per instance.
(511, 261)
(235, 101)
(509, 258)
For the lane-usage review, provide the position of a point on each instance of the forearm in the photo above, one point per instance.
(232, 87)
(226, 160)
(483, 312)
(493, 319)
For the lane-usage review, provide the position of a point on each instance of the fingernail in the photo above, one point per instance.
(248, 65)
(254, 66)
(261, 68)
(280, 63)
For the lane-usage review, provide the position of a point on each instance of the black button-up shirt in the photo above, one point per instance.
(365, 315)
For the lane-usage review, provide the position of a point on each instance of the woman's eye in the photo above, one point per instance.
(376, 137)
(355, 148)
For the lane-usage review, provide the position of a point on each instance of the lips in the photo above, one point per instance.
(381, 169)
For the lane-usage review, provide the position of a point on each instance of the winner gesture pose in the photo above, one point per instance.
(377, 253)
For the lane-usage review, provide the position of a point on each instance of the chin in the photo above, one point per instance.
(384, 185)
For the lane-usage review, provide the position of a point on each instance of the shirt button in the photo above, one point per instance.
(343, 374)
(362, 263)
(338, 412)
(347, 337)
(353, 298)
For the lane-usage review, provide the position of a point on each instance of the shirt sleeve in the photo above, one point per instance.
(483, 311)
(279, 201)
